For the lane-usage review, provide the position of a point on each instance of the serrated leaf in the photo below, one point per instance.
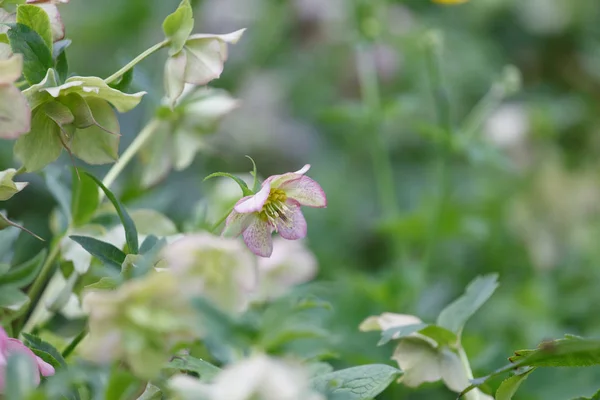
(570, 352)
(38, 20)
(187, 363)
(509, 386)
(455, 315)
(105, 252)
(23, 274)
(178, 26)
(44, 349)
(37, 58)
(357, 383)
(131, 234)
(84, 199)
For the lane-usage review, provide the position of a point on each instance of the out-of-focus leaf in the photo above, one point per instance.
(84, 200)
(122, 385)
(20, 372)
(456, 314)
(23, 274)
(399, 332)
(205, 370)
(357, 383)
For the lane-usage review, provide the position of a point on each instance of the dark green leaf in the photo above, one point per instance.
(357, 383)
(105, 252)
(455, 315)
(568, 352)
(59, 190)
(60, 57)
(46, 351)
(12, 298)
(205, 370)
(37, 58)
(124, 83)
(131, 234)
(23, 274)
(148, 244)
(596, 396)
(84, 200)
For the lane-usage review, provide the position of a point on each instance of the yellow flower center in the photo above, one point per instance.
(275, 208)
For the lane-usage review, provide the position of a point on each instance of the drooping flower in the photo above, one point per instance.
(8, 188)
(10, 346)
(275, 207)
(259, 377)
(138, 323)
(220, 269)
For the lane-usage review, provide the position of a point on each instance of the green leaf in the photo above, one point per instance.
(187, 363)
(254, 173)
(42, 145)
(12, 299)
(399, 332)
(104, 284)
(60, 57)
(98, 143)
(357, 383)
(44, 350)
(509, 386)
(124, 83)
(23, 274)
(20, 372)
(596, 396)
(178, 26)
(442, 336)
(3, 269)
(148, 244)
(84, 199)
(37, 58)
(122, 385)
(152, 222)
(105, 252)
(455, 315)
(37, 19)
(568, 352)
(59, 190)
(245, 190)
(131, 234)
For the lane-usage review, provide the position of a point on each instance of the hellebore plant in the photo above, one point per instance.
(275, 207)
(9, 347)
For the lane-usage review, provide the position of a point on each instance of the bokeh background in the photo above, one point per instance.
(523, 188)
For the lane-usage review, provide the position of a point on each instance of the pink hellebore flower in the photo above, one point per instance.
(275, 207)
(10, 346)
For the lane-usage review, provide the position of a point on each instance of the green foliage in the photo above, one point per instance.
(357, 383)
(45, 351)
(19, 372)
(245, 190)
(37, 56)
(105, 252)
(36, 19)
(131, 233)
(509, 386)
(205, 370)
(178, 26)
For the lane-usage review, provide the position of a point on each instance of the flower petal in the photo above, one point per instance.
(305, 191)
(16, 346)
(258, 237)
(254, 203)
(279, 180)
(45, 368)
(295, 227)
(236, 223)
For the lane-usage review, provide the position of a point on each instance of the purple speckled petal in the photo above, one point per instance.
(254, 203)
(236, 223)
(305, 191)
(257, 237)
(295, 228)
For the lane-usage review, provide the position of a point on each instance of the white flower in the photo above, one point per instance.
(256, 378)
(508, 126)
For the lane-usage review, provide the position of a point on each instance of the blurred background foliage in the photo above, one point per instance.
(523, 189)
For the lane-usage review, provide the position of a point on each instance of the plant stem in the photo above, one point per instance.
(136, 61)
(220, 221)
(369, 86)
(36, 289)
(473, 394)
(442, 106)
(69, 349)
(129, 153)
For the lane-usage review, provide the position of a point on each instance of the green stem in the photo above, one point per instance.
(36, 289)
(129, 153)
(136, 61)
(442, 106)
(220, 221)
(369, 86)
(69, 349)
(473, 394)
